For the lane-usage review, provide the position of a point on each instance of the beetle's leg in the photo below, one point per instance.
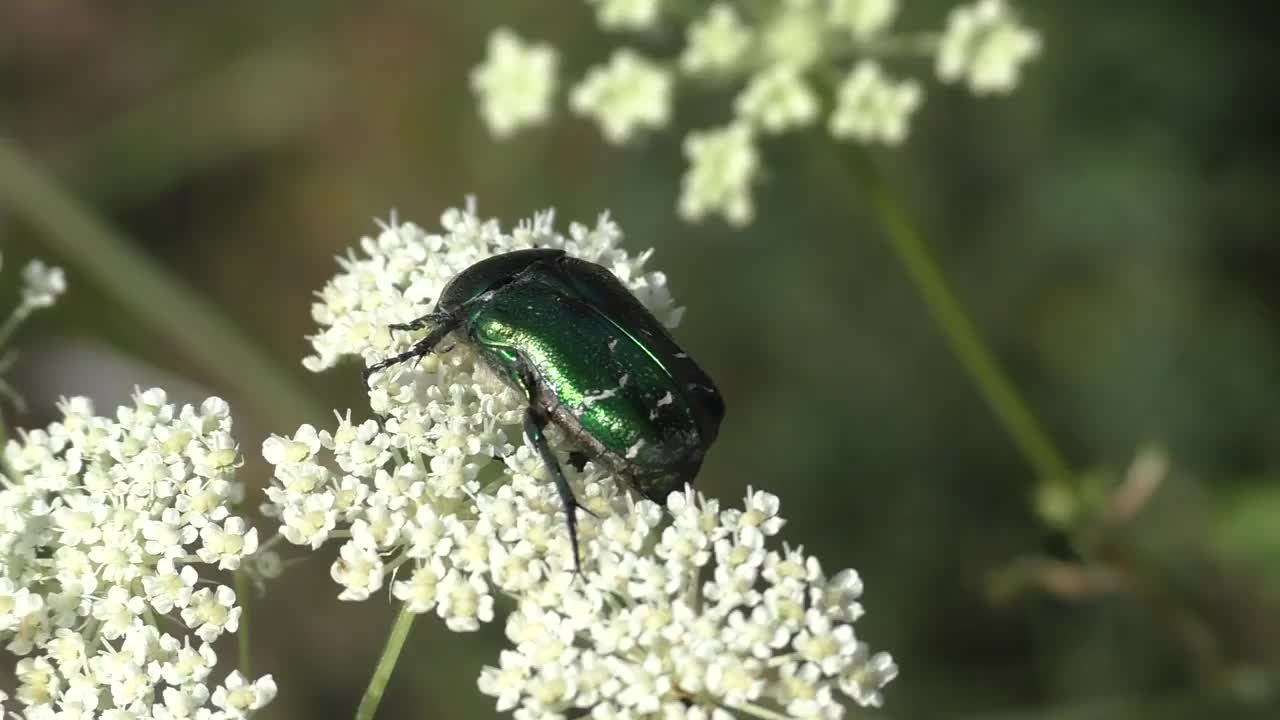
(535, 419)
(441, 325)
(417, 324)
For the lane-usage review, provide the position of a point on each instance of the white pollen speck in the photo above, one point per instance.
(682, 356)
(593, 398)
(666, 400)
(634, 450)
(613, 345)
(622, 381)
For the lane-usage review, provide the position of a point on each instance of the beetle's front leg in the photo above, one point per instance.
(535, 419)
(441, 325)
(416, 324)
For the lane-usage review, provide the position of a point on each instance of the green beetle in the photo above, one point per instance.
(589, 358)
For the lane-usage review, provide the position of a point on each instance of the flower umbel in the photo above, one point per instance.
(515, 83)
(871, 108)
(108, 526)
(443, 502)
(628, 94)
(445, 506)
(786, 60)
(722, 165)
(690, 618)
(985, 46)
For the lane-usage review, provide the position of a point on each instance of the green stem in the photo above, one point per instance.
(148, 292)
(254, 102)
(387, 663)
(12, 322)
(243, 589)
(966, 342)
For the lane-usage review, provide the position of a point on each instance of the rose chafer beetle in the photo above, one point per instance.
(588, 357)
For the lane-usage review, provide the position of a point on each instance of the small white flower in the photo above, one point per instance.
(761, 513)
(215, 456)
(170, 588)
(628, 95)
(420, 592)
(515, 83)
(464, 602)
(38, 682)
(227, 544)
(777, 100)
(181, 703)
(310, 522)
(42, 284)
(357, 569)
(212, 612)
(238, 697)
(717, 42)
(80, 520)
(626, 14)
(16, 604)
(828, 646)
(167, 536)
(723, 164)
(806, 693)
(299, 449)
(838, 597)
(867, 675)
(862, 18)
(68, 651)
(506, 682)
(871, 108)
(183, 665)
(985, 45)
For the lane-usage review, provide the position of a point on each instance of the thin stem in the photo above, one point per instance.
(256, 101)
(386, 664)
(147, 292)
(963, 336)
(246, 646)
(270, 542)
(12, 322)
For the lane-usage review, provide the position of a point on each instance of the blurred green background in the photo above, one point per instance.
(1111, 227)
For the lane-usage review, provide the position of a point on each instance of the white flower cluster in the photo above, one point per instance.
(443, 501)
(691, 618)
(516, 84)
(109, 529)
(444, 505)
(789, 56)
(42, 284)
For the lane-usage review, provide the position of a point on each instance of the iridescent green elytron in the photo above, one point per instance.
(589, 358)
